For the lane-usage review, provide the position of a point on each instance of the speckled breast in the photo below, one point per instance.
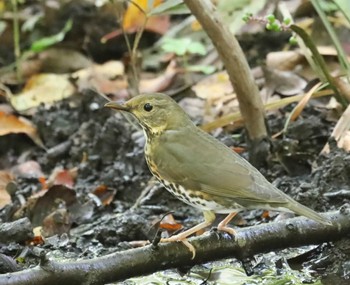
(194, 198)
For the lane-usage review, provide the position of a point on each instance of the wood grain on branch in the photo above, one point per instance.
(135, 262)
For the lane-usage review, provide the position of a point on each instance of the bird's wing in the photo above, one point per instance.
(197, 161)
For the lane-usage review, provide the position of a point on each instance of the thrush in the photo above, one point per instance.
(200, 170)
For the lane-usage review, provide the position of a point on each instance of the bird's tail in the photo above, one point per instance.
(308, 213)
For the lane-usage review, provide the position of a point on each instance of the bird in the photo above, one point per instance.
(200, 170)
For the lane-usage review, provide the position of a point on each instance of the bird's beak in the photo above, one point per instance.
(116, 106)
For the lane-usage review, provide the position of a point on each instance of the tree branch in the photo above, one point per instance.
(134, 262)
(18, 231)
(232, 56)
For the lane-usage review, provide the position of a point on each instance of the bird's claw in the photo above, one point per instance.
(184, 241)
(227, 230)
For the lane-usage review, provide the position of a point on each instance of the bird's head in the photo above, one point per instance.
(155, 112)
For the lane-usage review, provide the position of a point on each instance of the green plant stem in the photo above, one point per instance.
(16, 37)
(134, 56)
(341, 54)
(319, 60)
(134, 84)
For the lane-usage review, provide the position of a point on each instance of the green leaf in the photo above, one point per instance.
(206, 69)
(271, 18)
(196, 47)
(287, 21)
(183, 46)
(3, 25)
(344, 6)
(29, 24)
(177, 46)
(46, 42)
(174, 7)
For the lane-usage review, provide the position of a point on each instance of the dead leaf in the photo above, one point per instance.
(284, 60)
(64, 177)
(161, 82)
(235, 118)
(285, 83)
(45, 202)
(302, 103)
(219, 95)
(107, 78)
(168, 223)
(5, 178)
(265, 215)
(43, 88)
(43, 183)
(214, 86)
(105, 195)
(58, 222)
(343, 86)
(38, 239)
(10, 124)
(341, 132)
(29, 168)
(134, 18)
(238, 149)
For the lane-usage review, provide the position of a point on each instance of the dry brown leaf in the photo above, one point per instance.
(5, 178)
(43, 88)
(10, 124)
(44, 203)
(58, 222)
(29, 168)
(344, 141)
(107, 78)
(341, 132)
(220, 98)
(134, 18)
(214, 86)
(236, 118)
(343, 86)
(286, 83)
(65, 177)
(284, 60)
(302, 103)
(37, 239)
(105, 195)
(169, 223)
(161, 82)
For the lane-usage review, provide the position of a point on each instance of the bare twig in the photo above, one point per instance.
(250, 102)
(134, 262)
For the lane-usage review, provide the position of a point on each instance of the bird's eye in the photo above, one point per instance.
(148, 107)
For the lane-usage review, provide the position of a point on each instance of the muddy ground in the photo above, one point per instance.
(108, 152)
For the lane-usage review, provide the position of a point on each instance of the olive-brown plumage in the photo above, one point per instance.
(200, 170)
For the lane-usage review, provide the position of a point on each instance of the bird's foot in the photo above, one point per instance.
(222, 226)
(182, 239)
(226, 229)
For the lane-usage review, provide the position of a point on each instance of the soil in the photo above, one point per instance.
(108, 150)
(114, 201)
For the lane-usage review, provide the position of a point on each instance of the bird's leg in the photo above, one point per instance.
(209, 218)
(222, 226)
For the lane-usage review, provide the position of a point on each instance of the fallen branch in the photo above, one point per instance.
(135, 262)
(17, 231)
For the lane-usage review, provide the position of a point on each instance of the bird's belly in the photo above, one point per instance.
(195, 198)
(198, 199)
